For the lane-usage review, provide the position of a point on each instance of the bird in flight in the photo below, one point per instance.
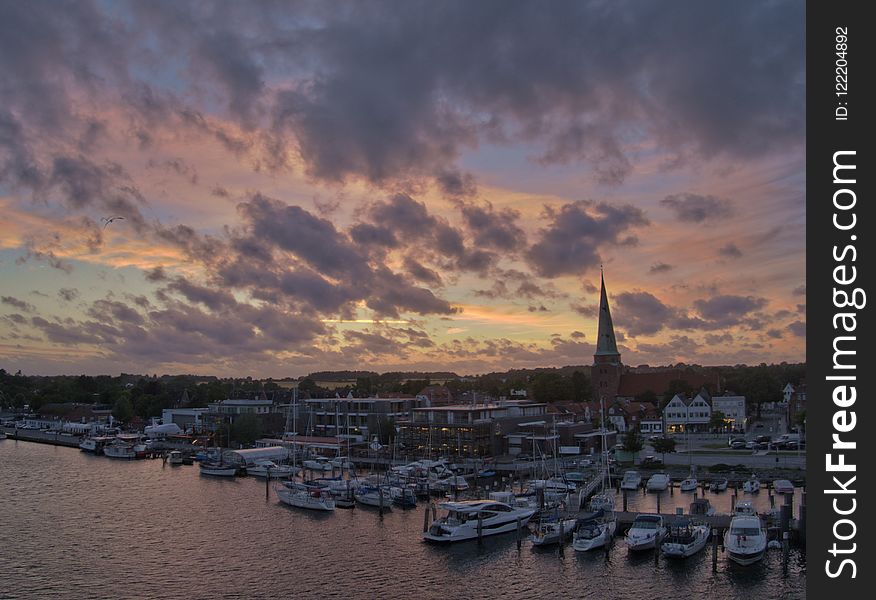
(108, 220)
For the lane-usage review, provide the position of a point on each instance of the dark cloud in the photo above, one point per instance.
(695, 208)
(730, 250)
(641, 313)
(68, 294)
(800, 290)
(422, 273)
(366, 234)
(570, 244)
(798, 328)
(493, 229)
(19, 304)
(728, 309)
(660, 267)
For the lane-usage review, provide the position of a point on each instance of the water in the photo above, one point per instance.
(79, 526)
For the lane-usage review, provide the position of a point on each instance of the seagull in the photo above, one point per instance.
(109, 220)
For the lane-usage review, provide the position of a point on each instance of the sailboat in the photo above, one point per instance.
(597, 529)
(217, 468)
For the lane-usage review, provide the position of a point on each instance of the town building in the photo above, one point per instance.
(469, 430)
(797, 405)
(188, 419)
(695, 414)
(356, 418)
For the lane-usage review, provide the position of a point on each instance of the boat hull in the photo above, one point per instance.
(306, 499)
(582, 544)
(463, 534)
(746, 558)
(218, 471)
(678, 550)
(547, 536)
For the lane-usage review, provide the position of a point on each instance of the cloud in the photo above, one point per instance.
(68, 294)
(798, 328)
(695, 208)
(660, 267)
(728, 309)
(570, 244)
(641, 313)
(495, 229)
(19, 304)
(730, 250)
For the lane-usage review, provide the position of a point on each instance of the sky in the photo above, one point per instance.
(305, 186)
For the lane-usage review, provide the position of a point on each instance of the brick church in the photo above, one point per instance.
(614, 381)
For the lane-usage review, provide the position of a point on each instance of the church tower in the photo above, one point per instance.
(607, 367)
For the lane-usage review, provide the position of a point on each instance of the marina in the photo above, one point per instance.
(219, 521)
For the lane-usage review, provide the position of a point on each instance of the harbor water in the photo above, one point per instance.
(80, 526)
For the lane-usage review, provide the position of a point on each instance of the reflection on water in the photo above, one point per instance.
(79, 526)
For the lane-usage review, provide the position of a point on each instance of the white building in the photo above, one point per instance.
(187, 419)
(681, 414)
(733, 408)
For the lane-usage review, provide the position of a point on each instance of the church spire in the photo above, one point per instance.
(605, 344)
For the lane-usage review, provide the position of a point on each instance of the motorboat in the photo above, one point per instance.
(553, 531)
(718, 485)
(374, 495)
(2, 435)
(430, 469)
(685, 539)
(688, 484)
(268, 468)
(303, 495)
(751, 485)
(631, 481)
(658, 482)
(486, 473)
(463, 520)
(404, 497)
(118, 449)
(320, 463)
(594, 531)
(454, 483)
(217, 469)
(175, 458)
(746, 538)
(744, 507)
(701, 507)
(783, 486)
(554, 485)
(95, 444)
(645, 531)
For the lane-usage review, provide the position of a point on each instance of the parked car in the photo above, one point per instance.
(751, 445)
(652, 460)
(732, 441)
(763, 438)
(738, 445)
(792, 445)
(763, 446)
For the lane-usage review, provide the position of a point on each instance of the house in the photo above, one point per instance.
(681, 414)
(733, 409)
(797, 405)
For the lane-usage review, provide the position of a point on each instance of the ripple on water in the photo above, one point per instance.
(79, 526)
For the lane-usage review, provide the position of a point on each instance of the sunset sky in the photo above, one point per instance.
(398, 185)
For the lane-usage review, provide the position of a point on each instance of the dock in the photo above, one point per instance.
(43, 437)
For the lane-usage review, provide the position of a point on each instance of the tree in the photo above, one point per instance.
(123, 410)
(664, 445)
(550, 386)
(581, 389)
(718, 420)
(633, 442)
(247, 428)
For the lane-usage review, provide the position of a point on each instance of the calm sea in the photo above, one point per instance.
(78, 526)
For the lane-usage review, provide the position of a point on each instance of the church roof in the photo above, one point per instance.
(606, 345)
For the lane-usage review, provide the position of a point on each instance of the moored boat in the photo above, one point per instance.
(746, 538)
(685, 539)
(631, 481)
(658, 482)
(718, 485)
(463, 520)
(118, 449)
(302, 495)
(551, 532)
(688, 484)
(268, 468)
(371, 495)
(783, 486)
(751, 485)
(217, 469)
(594, 531)
(645, 532)
(174, 458)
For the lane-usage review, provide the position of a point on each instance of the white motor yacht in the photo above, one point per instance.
(658, 482)
(217, 469)
(689, 484)
(462, 519)
(320, 463)
(594, 531)
(718, 485)
(302, 495)
(685, 539)
(453, 483)
(645, 532)
(783, 486)
(751, 485)
(631, 481)
(268, 468)
(746, 539)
